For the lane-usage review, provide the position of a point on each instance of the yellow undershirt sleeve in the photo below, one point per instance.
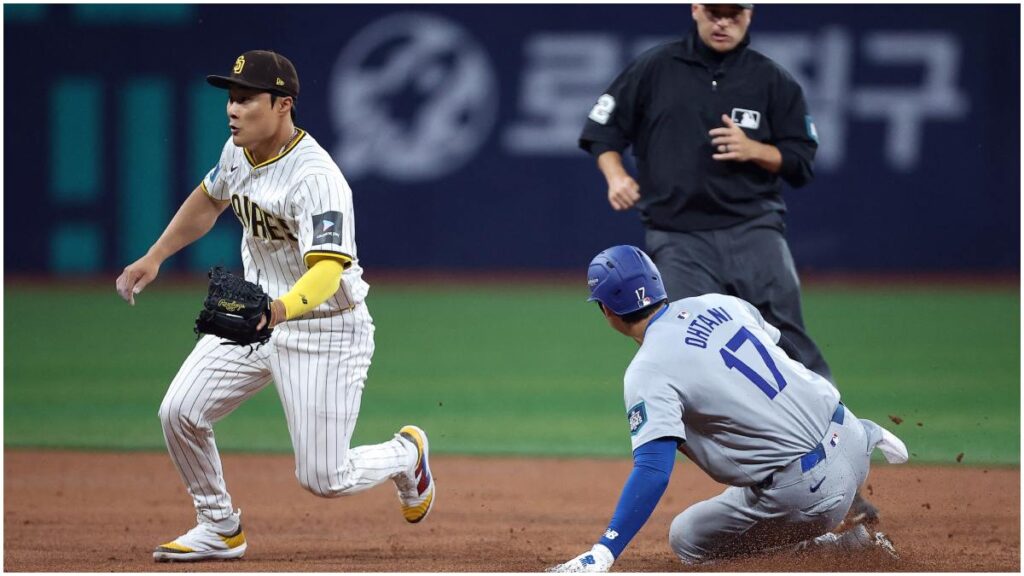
(314, 288)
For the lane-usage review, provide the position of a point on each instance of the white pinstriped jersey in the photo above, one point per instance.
(293, 207)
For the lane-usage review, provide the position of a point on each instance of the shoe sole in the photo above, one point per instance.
(883, 542)
(174, 556)
(419, 437)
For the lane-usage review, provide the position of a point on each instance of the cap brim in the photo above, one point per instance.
(226, 83)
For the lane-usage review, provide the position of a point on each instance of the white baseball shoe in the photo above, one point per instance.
(859, 538)
(882, 541)
(202, 543)
(416, 487)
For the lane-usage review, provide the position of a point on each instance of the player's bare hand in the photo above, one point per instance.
(623, 192)
(135, 277)
(731, 142)
(597, 559)
(276, 316)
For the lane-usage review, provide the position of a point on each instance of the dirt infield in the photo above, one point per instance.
(71, 511)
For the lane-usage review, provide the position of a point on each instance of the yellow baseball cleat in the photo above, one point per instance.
(202, 543)
(416, 487)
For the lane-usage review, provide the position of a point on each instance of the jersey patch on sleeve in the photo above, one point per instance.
(327, 228)
(812, 131)
(214, 173)
(637, 416)
(602, 111)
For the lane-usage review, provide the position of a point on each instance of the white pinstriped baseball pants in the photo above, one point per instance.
(319, 366)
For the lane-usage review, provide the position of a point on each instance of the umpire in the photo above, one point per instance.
(715, 128)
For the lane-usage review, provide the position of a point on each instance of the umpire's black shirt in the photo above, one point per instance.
(667, 101)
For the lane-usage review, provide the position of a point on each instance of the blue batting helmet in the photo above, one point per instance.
(624, 280)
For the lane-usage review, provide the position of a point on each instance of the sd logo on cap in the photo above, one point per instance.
(261, 70)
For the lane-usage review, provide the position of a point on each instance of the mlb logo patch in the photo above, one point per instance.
(637, 416)
(683, 315)
(642, 299)
(750, 119)
(835, 440)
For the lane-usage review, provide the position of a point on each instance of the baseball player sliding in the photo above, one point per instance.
(711, 381)
(299, 246)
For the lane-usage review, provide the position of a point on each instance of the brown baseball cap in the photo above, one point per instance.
(261, 70)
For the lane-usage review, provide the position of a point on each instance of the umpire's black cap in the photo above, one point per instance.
(261, 70)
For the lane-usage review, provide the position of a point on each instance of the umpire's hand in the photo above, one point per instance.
(731, 142)
(623, 192)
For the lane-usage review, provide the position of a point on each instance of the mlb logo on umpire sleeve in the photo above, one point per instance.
(746, 118)
(637, 416)
(327, 228)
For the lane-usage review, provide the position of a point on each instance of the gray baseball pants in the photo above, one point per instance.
(750, 260)
(792, 506)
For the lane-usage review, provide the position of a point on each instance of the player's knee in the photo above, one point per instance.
(683, 543)
(176, 420)
(322, 483)
(315, 488)
(168, 414)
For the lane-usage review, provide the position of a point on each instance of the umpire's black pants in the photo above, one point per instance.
(750, 260)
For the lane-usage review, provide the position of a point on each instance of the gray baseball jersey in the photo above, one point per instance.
(709, 372)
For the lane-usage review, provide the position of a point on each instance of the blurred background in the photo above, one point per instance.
(476, 212)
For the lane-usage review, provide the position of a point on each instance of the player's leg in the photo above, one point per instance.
(212, 382)
(855, 440)
(760, 270)
(797, 507)
(744, 521)
(321, 367)
(687, 261)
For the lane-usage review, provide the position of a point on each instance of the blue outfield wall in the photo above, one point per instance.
(456, 126)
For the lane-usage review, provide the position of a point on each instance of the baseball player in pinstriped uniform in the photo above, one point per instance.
(711, 381)
(299, 244)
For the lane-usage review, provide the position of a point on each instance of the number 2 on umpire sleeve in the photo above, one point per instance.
(732, 361)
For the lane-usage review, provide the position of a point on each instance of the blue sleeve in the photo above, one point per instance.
(652, 467)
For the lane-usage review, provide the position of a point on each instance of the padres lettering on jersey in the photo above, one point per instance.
(294, 208)
(258, 222)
